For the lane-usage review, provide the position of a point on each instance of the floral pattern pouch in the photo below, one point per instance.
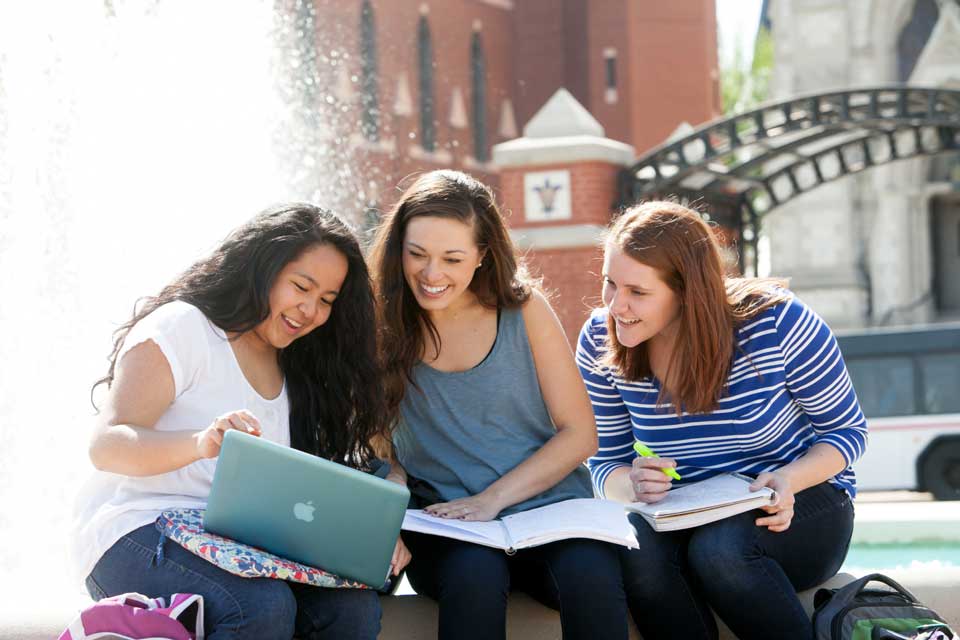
(185, 527)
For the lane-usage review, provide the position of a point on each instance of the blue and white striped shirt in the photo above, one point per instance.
(788, 389)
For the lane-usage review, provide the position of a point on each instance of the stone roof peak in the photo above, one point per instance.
(937, 64)
(562, 116)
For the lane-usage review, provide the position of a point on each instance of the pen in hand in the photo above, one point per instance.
(645, 451)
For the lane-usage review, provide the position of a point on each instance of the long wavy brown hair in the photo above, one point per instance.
(683, 249)
(500, 282)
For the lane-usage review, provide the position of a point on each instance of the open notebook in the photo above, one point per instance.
(706, 501)
(579, 518)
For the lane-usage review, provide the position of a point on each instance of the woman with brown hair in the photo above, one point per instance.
(492, 418)
(716, 375)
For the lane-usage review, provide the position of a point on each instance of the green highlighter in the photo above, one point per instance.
(647, 452)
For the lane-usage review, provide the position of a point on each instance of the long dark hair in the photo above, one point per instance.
(331, 374)
(683, 249)
(501, 281)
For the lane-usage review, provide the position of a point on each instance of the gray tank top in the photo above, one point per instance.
(461, 431)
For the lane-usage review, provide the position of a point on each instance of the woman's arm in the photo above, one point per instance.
(124, 439)
(397, 473)
(817, 379)
(821, 462)
(383, 449)
(618, 486)
(614, 462)
(401, 555)
(569, 408)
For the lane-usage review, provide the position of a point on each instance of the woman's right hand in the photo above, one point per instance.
(650, 483)
(210, 439)
(401, 558)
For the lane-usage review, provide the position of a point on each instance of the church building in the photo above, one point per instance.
(430, 84)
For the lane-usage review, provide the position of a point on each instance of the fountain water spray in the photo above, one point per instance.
(133, 136)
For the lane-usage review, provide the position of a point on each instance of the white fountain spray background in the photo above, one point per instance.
(133, 136)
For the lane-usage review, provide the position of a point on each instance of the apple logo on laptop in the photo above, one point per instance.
(303, 511)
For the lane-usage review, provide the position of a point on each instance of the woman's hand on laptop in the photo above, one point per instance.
(210, 439)
(401, 557)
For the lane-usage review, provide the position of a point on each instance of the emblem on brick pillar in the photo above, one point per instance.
(547, 196)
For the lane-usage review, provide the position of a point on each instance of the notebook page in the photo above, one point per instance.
(578, 518)
(724, 489)
(486, 533)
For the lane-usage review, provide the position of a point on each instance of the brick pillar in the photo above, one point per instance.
(558, 186)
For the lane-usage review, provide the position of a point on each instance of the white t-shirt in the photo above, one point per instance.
(208, 383)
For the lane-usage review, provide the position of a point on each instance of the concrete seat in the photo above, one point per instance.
(413, 617)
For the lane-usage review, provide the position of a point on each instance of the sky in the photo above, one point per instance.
(737, 21)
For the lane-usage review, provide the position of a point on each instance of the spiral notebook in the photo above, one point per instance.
(578, 518)
(706, 501)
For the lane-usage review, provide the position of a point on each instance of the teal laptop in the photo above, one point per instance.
(305, 508)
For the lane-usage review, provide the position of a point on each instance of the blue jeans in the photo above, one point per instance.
(234, 607)
(747, 574)
(580, 578)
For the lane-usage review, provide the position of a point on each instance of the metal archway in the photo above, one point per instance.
(750, 163)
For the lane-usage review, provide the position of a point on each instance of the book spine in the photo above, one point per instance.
(510, 549)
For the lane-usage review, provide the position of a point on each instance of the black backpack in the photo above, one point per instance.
(854, 612)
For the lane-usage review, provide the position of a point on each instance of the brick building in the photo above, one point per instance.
(428, 84)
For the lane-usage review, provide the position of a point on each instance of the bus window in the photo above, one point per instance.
(884, 386)
(941, 383)
(908, 383)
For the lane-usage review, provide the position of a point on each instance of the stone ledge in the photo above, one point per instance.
(524, 152)
(414, 617)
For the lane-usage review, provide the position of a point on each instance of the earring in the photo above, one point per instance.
(479, 264)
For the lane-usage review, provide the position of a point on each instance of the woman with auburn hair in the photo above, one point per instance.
(492, 418)
(718, 375)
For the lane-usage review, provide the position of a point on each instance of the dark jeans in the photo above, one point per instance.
(747, 574)
(234, 607)
(580, 578)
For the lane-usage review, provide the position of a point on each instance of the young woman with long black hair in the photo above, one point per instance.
(272, 334)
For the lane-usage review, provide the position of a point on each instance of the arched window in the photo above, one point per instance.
(428, 134)
(478, 79)
(610, 73)
(914, 35)
(370, 99)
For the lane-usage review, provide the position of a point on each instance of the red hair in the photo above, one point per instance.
(676, 242)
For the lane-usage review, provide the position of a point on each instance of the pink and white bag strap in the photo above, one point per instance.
(181, 602)
(101, 623)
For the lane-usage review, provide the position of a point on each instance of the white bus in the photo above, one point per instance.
(908, 383)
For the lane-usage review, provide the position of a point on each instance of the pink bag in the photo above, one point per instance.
(132, 616)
